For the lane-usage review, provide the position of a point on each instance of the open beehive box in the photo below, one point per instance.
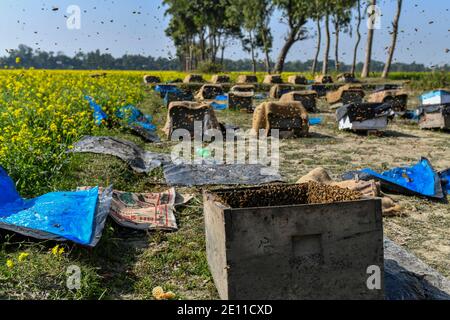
(305, 241)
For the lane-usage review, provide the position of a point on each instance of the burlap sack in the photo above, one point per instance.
(370, 189)
(297, 80)
(245, 78)
(273, 79)
(243, 88)
(220, 78)
(183, 114)
(346, 77)
(240, 100)
(306, 97)
(151, 79)
(289, 117)
(318, 175)
(398, 98)
(209, 92)
(276, 91)
(323, 79)
(193, 78)
(349, 93)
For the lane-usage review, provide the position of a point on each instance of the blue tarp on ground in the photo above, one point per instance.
(73, 216)
(315, 121)
(219, 106)
(163, 89)
(134, 117)
(445, 180)
(99, 114)
(419, 179)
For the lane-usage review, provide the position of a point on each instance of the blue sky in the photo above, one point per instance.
(137, 26)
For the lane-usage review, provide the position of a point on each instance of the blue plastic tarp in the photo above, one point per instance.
(315, 121)
(445, 180)
(223, 97)
(75, 216)
(134, 117)
(99, 114)
(163, 89)
(219, 106)
(419, 179)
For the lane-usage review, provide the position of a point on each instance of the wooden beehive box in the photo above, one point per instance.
(294, 251)
(435, 117)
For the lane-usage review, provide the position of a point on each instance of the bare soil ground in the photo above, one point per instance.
(424, 226)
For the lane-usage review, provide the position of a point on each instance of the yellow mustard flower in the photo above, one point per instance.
(23, 256)
(10, 263)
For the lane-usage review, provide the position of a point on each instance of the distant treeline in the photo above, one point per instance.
(26, 57)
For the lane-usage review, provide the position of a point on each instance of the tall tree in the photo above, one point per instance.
(295, 14)
(395, 24)
(341, 20)
(254, 16)
(370, 36)
(319, 41)
(327, 44)
(199, 29)
(317, 16)
(358, 36)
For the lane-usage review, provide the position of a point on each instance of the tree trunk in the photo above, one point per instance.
(387, 66)
(203, 45)
(266, 52)
(284, 51)
(368, 60)
(319, 40)
(222, 56)
(336, 47)
(252, 50)
(358, 38)
(327, 45)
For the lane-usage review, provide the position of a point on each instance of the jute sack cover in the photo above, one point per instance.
(296, 79)
(347, 94)
(243, 88)
(240, 100)
(277, 90)
(151, 79)
(323, 79)
(370, 189)
(219, 78)
(273, 79)
(346, 77)
(209, 92)
(399, 98)
(193, 78)
(285, 116)
(244, 78)
(183, 114)
(306, 97)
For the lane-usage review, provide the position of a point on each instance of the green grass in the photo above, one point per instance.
(125, 264)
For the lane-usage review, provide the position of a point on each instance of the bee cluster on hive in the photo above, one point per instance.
(282, 195)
